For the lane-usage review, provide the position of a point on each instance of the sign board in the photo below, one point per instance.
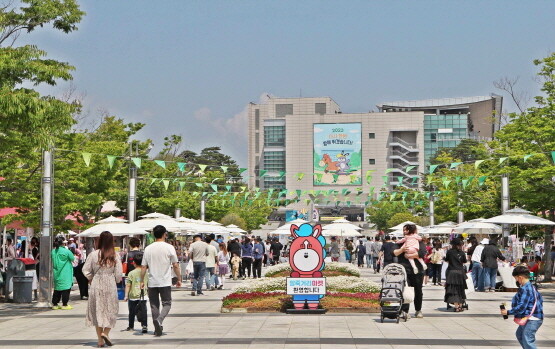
(306, 258)
(337, 154)
(304, 286)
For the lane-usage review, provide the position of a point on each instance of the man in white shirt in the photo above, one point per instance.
(159, 258)
(477, 270)
(198, 252)
(211, 279)
(368, 245)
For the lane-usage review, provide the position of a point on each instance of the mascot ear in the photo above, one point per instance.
(293, 230)
(317, 230)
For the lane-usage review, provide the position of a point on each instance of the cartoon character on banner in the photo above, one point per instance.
(306, 258)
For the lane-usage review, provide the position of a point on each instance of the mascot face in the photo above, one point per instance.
(305, 258)
(306, 255)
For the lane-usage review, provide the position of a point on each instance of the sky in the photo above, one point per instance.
(191, 67)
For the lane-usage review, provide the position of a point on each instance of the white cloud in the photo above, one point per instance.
(318, 130)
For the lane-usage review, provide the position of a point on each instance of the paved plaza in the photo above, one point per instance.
(196, 322)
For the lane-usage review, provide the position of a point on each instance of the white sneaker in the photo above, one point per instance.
(425, 267)
(418, 315)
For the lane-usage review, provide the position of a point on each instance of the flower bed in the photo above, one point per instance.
(348, 284)
(331, 269)
(279, 301)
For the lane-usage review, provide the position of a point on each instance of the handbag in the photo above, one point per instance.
(408, 294)
(521, 321)
(140, 308)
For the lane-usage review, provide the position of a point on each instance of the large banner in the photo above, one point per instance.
(337, 154)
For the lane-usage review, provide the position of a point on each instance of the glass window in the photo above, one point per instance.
(284, 109)
(256, 119)
(319, 108)
(371, 135)
(274, 136)
(371, 161)
(256, 142)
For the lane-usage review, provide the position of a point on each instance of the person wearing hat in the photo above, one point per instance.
(72, 243)
(455, 282)
(477, 270)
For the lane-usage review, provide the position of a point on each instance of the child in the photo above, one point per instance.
(412, 241)
(133, 294)
(527, 303)
(235, 263)
(223, 264)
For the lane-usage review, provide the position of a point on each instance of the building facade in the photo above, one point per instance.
(309, 145)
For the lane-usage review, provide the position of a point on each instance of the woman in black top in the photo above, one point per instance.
(413, 280)
(455, 283)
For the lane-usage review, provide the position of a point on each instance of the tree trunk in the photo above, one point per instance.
(547, 247)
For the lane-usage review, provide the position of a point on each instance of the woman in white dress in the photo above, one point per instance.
(103, 270)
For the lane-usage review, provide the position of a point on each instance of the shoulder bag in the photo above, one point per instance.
(521, 321)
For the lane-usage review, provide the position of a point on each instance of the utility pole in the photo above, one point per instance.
(432, 212)
(202, 209)
(460, 214)
(132, 195)
(505, 202)
(45, 269)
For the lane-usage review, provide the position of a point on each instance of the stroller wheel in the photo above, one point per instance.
(448, 306)
(398, 318)
(382, 319)
(465, 306)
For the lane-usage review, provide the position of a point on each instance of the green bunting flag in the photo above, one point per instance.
(299, 176)
(299, 193)
(181, 166)
(409, 168)
(455, 164)
(526, 157)
(429, 180)
(181, 185)
(368, 179)
(281, 174)
(458, 179)
(428, 195)
(111, 160)
(389, 170)
(501, 160)
(553, 156)
(446, 184)
(433, 168)
(392, 196)
(166, 183)
(400, 180)
(482, 180)
(202, 168)
(214, 187)
(243, 189)
(344, 191)
(478, 163)
(137, 162)
(87, 158)
(241, 170)
(270, 192)
(330, 192)
(160, 163)
(224, 168)
(152, 181)
(319, 177)
(348, 204)
(414, 179)
(335, 178)
(200, 185)
(464, 183)
(262, 173)
(228, 188)
(385, 179)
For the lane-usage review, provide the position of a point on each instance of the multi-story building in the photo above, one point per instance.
(449, 120)
(308, 144)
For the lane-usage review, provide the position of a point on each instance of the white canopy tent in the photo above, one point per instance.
(342, 228)
(117, 229)
(441, 229)
(478, 226)
(235, 229)
(518, 216)
(400, 226)
(149, 223)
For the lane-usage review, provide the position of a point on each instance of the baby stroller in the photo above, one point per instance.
(394, 281)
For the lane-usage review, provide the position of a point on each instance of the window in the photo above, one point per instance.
(274, 136)
(371, 161)
(434, 137)
(283, 109)
(274, 161)
(256, 142)
(257, 119)
(320, 108)
(371, 135)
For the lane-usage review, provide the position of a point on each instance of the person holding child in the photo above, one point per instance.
(412, 241)
(134, 295)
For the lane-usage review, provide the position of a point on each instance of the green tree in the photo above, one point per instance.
(29, 121)
(234, 218)
(380, 213)
(401, 217)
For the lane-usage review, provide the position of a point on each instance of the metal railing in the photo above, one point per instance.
(403, 142)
